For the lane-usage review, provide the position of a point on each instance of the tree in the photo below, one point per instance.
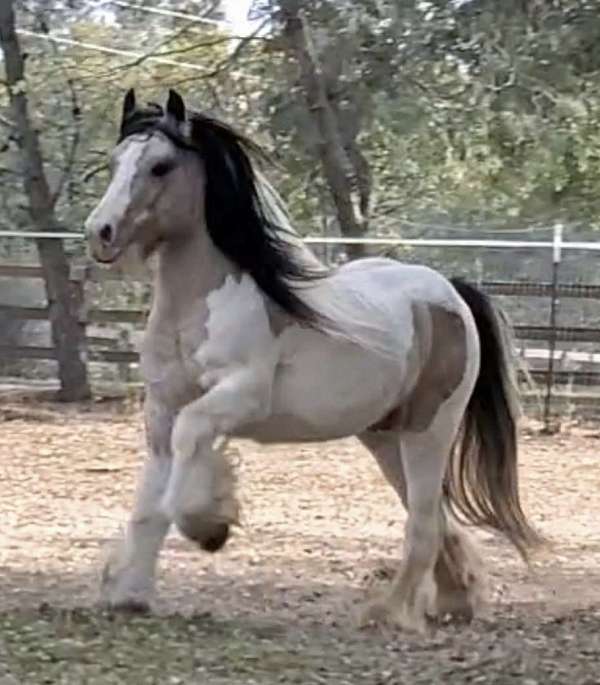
(436, 113)
(344, 167)
(64, 297)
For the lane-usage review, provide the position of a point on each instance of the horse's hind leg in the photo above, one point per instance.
(420, 465)
(439, 571)
(458, 573)
(385, 447)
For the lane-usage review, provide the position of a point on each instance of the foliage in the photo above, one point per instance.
(477, 113)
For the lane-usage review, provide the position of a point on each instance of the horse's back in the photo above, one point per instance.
(392, 280)
(328, 386)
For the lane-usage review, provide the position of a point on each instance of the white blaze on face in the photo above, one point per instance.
(115, 202)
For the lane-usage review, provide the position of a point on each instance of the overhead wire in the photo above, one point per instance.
(60, 40)
(168, 13)
(111, 51)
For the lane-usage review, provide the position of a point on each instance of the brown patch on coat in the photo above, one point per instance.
(439, 354)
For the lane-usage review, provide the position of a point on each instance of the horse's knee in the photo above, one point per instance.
(190, 429)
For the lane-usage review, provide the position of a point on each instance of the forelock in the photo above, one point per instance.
(149, 120)
(141, 120)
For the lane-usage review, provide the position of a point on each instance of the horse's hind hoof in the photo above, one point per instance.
(217, 539)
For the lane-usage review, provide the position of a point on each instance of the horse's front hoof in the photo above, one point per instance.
(127, 607)
(217, 539)
(120, 593)
(210, 536)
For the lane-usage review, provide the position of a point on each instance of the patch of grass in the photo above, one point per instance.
(53, 647)
(59, 646)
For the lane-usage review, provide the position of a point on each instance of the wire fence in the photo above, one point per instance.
(550, 290)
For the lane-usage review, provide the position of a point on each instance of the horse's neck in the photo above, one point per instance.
(186, 272)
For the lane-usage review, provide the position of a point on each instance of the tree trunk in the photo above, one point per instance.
(337, 168)
(64, 295)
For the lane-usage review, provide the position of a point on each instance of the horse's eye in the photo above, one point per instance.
(161, 169)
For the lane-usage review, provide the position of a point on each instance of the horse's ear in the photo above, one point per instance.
(176, 106)
(128, 103)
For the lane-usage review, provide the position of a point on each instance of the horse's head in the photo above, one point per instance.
(155, 192)
(179, 174)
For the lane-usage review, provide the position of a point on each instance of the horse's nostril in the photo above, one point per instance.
(106, 234)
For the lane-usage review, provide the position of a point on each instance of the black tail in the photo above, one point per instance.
(482, 484)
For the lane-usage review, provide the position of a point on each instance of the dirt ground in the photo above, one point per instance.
(320, 529)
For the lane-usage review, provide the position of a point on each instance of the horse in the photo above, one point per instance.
(251, 336)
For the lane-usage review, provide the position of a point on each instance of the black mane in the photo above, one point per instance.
(236, 219)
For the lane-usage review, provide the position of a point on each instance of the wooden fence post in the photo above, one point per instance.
(124, 368)
(78, 275)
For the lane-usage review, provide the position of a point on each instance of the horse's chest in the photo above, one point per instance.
(168, 367)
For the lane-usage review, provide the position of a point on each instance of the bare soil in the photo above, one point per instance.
(320, 529)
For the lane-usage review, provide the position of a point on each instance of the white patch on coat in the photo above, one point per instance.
(238, 332)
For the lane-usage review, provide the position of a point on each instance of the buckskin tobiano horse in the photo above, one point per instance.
(251, 336)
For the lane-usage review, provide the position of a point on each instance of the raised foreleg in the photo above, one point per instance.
(200, 496)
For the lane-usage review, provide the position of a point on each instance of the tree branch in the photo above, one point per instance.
(95, 170)
(74, 144)
(229, 61)
(154, 52)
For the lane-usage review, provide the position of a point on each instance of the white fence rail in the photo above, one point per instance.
(573, 367)
(383, 241)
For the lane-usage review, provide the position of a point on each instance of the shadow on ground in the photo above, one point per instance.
(41, 642)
